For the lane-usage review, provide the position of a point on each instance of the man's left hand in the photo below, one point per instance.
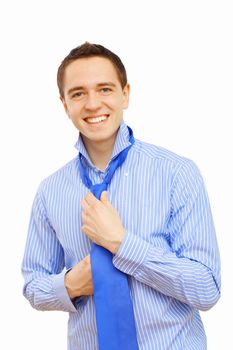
(101, 222)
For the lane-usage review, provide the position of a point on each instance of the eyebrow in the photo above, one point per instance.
(76, 88)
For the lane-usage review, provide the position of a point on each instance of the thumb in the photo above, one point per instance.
(104, 197)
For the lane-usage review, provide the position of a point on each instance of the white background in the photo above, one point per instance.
(179, 59)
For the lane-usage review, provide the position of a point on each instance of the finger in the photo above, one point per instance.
(86, 229)
(87, 259)
(89, 233)
(104, 197)
(91, 199)
(84, 205)
(87, 219)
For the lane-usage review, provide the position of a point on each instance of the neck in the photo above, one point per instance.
(99, 152)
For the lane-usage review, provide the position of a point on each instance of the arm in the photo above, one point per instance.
(187, 266)
(43, 264)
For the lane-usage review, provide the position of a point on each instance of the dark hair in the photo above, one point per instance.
(90, 50)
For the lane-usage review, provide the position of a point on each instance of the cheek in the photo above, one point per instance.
(116, 104)
(74, 110)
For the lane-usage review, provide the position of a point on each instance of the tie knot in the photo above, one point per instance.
(98, 189)
(113, 166)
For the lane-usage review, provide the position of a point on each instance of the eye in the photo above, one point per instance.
(106, 90)
(78, 94)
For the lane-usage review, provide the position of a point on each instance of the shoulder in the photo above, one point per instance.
(156, 152)
(60, 176)
(176, 165)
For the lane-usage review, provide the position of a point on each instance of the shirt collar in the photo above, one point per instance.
(121, 142)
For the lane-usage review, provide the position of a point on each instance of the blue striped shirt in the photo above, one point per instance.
(170, 252)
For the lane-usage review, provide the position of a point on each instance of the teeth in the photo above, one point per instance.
(96, 119)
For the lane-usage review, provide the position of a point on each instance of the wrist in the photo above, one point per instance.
(72, 289)
(116, 245)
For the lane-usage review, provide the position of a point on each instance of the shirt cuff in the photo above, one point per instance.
(61, 292)
(131, 254)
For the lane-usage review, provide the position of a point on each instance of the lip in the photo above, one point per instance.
(97, 116)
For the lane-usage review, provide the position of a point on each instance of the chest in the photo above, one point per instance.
(142, 199)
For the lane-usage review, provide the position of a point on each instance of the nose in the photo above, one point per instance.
(93, 101)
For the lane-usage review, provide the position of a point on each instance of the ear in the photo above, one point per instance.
(64, 105)
(126, 93)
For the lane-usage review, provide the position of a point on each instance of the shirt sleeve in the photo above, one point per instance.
(184, 263)
(43, 264)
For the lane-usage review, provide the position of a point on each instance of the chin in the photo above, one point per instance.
(100, 136)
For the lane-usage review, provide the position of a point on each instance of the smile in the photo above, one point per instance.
(96, 119)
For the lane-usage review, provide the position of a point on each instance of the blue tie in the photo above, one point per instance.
(114, 311)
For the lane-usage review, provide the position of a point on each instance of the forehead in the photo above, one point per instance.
(89, 72)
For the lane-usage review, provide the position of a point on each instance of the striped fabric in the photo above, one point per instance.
(170, 250)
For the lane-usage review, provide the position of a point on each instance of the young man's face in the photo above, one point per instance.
(93, 98)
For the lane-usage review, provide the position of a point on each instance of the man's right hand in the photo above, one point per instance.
(78, 281)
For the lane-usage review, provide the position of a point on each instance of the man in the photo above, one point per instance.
(154, 219)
